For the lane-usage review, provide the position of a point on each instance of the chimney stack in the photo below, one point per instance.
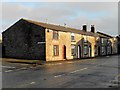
(84, 28)
(65, 25)
(92, 29)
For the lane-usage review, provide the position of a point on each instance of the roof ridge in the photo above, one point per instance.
(61, 28)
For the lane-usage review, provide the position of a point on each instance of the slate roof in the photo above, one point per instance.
(62, 28)
(104, 35)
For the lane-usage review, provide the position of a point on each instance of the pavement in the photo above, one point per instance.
(11, 60)
(89, 73)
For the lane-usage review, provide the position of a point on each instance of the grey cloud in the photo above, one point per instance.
(60, 13)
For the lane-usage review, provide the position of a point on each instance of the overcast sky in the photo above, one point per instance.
(104, 15)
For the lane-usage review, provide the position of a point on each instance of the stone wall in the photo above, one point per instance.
(19, 41)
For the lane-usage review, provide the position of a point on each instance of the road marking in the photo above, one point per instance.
(32, 83)
(59, 75)
(74, 71)
(84, 68)
(9, 71)
(16, 69)
(7, 66)
(79, 70)
(21, 69)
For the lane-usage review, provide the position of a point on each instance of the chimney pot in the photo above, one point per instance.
(85, 28)
(92, 29)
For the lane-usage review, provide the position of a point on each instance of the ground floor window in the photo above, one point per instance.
(108, 49)
(73, 51)
(56, 50)
(85, 50)
(103, 50)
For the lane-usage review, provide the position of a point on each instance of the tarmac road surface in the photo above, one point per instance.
(101, 72)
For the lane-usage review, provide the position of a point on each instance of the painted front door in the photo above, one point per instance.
(79, 51)
(64, 52)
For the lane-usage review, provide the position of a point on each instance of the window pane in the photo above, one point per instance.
(55, 35)
(73, 51)
(72, 37)
(85, 49)
(56, 50)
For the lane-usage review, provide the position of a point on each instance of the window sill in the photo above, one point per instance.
(56, 56)
(73, 41)
(56, 39)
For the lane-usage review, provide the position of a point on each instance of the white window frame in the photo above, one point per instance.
(85, 50)
(72, 35)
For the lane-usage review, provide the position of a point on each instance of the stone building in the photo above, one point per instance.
(107, 44)
(29, 39)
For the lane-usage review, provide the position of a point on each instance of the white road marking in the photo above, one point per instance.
(7, 66)
(16, 69)
(32, 83)
(59, 75)
(84, 68)
(79, 70)
(9, 71)
(71, 72)
(21, 69)
(74, 71)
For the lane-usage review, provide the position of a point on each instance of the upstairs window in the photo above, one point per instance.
(102, 40)
(56, 50)
(55, 35)
(72, 37)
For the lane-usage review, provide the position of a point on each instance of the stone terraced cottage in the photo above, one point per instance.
(29, 39)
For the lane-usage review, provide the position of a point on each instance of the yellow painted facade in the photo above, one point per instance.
(64, 38)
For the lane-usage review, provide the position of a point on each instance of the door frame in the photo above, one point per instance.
(89, 49)
(78, 52)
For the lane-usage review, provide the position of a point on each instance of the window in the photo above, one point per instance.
(108, 49)
(85, 50)
(73, 50)
(55, 35)
(56, 50)
(102, 40)
(103, 49)
(72, 37)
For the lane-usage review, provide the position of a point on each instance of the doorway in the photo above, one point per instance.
(99, 50)
(79, 52)
(90, 51)
(64, 52)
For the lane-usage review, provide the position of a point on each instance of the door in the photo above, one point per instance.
(64, 52)
(90, 51)
(99, 51)
(79, 51)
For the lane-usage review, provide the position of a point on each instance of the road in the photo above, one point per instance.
(99, 72)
